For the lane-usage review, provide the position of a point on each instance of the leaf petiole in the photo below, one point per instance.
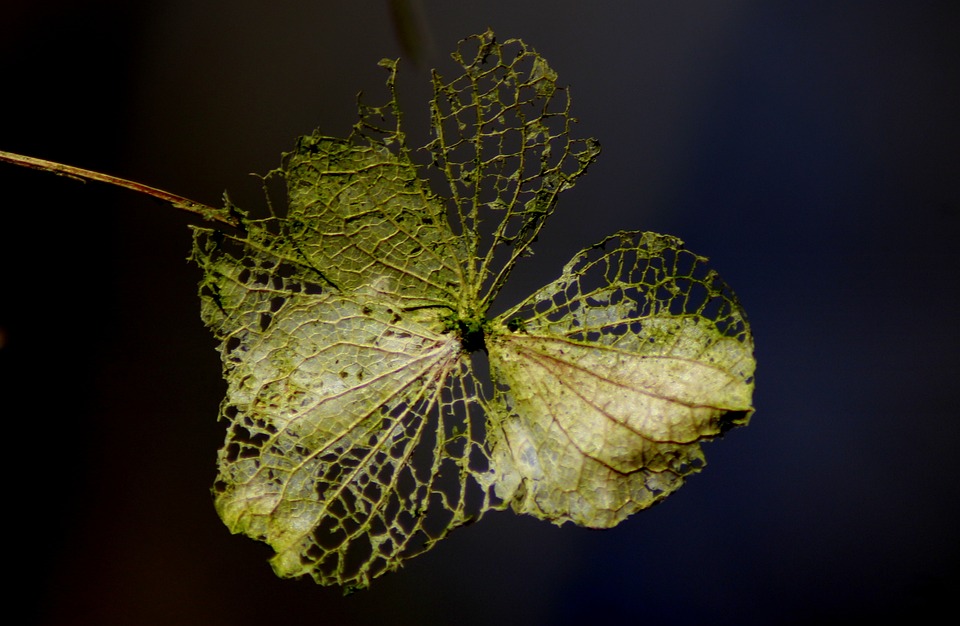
(77, 173)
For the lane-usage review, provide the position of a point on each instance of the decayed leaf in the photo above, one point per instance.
(332, 395)
(358, 434)
(622, 366)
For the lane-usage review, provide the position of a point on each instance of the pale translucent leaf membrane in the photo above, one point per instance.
(503, 142)
(355, 437)
(611, 376)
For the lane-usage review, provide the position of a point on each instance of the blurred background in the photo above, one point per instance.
(812, 150)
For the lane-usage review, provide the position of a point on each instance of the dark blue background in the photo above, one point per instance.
(812, 150)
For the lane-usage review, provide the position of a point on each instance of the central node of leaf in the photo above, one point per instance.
(471, 331)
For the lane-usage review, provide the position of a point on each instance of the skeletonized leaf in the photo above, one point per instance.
(615, 372)
(353, 426)
(358, 434)
(503, 142)
(359, 214)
